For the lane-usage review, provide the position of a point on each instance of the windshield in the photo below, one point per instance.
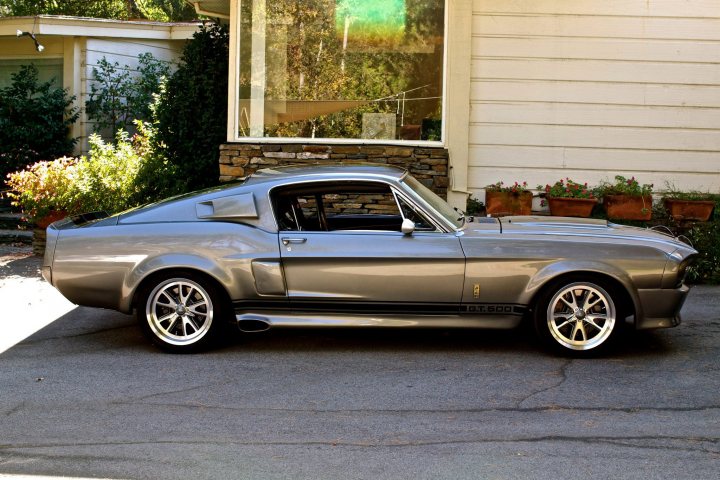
(438, 204)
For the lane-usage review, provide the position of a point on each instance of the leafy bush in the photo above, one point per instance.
(44, 187)
(567, 189)
(35, 119)
(705, 237)
(624, 186)
(192, 112)
(515, 188)
(105, 180)
(118, 97)
(473, 206)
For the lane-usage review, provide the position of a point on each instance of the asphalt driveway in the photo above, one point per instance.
(86, 396)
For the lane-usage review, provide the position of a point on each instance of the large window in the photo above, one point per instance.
(341, 69)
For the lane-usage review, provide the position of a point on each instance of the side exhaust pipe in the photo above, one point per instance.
(252, 324)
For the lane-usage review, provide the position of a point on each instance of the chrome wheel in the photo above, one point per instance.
(581, 316)
(179, 311)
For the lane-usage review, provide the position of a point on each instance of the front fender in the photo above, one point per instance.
(557, 269)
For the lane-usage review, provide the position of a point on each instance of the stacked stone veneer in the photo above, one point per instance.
(429, 165)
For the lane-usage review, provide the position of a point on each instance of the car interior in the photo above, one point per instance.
(343, 206)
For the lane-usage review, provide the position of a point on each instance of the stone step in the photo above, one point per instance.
(11, 221)
(16, 236)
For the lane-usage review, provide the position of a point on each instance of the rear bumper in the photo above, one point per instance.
(47, 274)
(661, 307)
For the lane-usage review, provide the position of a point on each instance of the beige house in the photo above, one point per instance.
(71, 47)
(530, 90)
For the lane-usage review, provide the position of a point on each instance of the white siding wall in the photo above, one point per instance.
(124, 52)
(594, 88)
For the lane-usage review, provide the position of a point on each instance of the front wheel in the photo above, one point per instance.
(180, 313)
(578, 317)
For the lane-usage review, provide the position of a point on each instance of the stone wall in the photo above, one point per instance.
(429, 165)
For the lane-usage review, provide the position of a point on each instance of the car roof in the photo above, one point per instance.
(325, 170)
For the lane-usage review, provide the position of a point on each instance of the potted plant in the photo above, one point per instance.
(501, 199)
(569, 199)
(692, 205)
(626, 199)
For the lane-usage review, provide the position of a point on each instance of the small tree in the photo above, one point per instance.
(192, 110)
(118, 97)
(35, 120)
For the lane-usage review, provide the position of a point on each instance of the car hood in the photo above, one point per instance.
(577, 227)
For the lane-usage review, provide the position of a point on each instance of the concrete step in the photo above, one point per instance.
(16, 236)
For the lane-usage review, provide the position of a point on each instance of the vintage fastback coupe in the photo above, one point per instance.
(359, 246)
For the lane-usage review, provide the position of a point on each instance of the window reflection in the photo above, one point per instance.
(356, 69)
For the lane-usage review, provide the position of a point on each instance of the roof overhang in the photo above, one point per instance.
(212, 8)
(97, 27)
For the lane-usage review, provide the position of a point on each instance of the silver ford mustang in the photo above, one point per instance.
(358, 246)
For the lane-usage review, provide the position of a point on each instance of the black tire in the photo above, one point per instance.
(579, 316)
(182, 312)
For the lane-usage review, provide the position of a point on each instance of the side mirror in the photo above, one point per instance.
(408, 226)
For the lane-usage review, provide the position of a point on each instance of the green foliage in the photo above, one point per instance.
(35, 119)
(514, 188)
(705, 237)
(473, 206)
(672, 192)
(44, 187)
(156, 178)
(567, 189)
(159, 10)
(118, 97)
(191, 116)
(105, 180)
(624, 186)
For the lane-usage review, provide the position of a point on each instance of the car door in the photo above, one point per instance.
(356, 259)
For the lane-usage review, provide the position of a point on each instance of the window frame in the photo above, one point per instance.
(233, 121)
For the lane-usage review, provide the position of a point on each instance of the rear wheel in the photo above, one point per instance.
(181, 313)
(578, 317)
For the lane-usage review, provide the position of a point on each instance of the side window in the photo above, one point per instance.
(343, 206)
(333, 206)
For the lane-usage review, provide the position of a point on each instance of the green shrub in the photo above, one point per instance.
(104, 180)
(191, 116)
(35, 120)
(44, 187)
(705, 237)
(118, 97)
(624, 186)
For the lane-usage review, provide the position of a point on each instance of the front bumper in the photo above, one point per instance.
(660, 307)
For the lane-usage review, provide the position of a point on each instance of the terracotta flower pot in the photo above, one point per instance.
(689, 209)
(571, 207)
(499, 204)
(628, 207)
(51, 217)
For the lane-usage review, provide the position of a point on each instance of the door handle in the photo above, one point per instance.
(287, 241)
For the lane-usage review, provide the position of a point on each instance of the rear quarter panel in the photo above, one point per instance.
(103, 266)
